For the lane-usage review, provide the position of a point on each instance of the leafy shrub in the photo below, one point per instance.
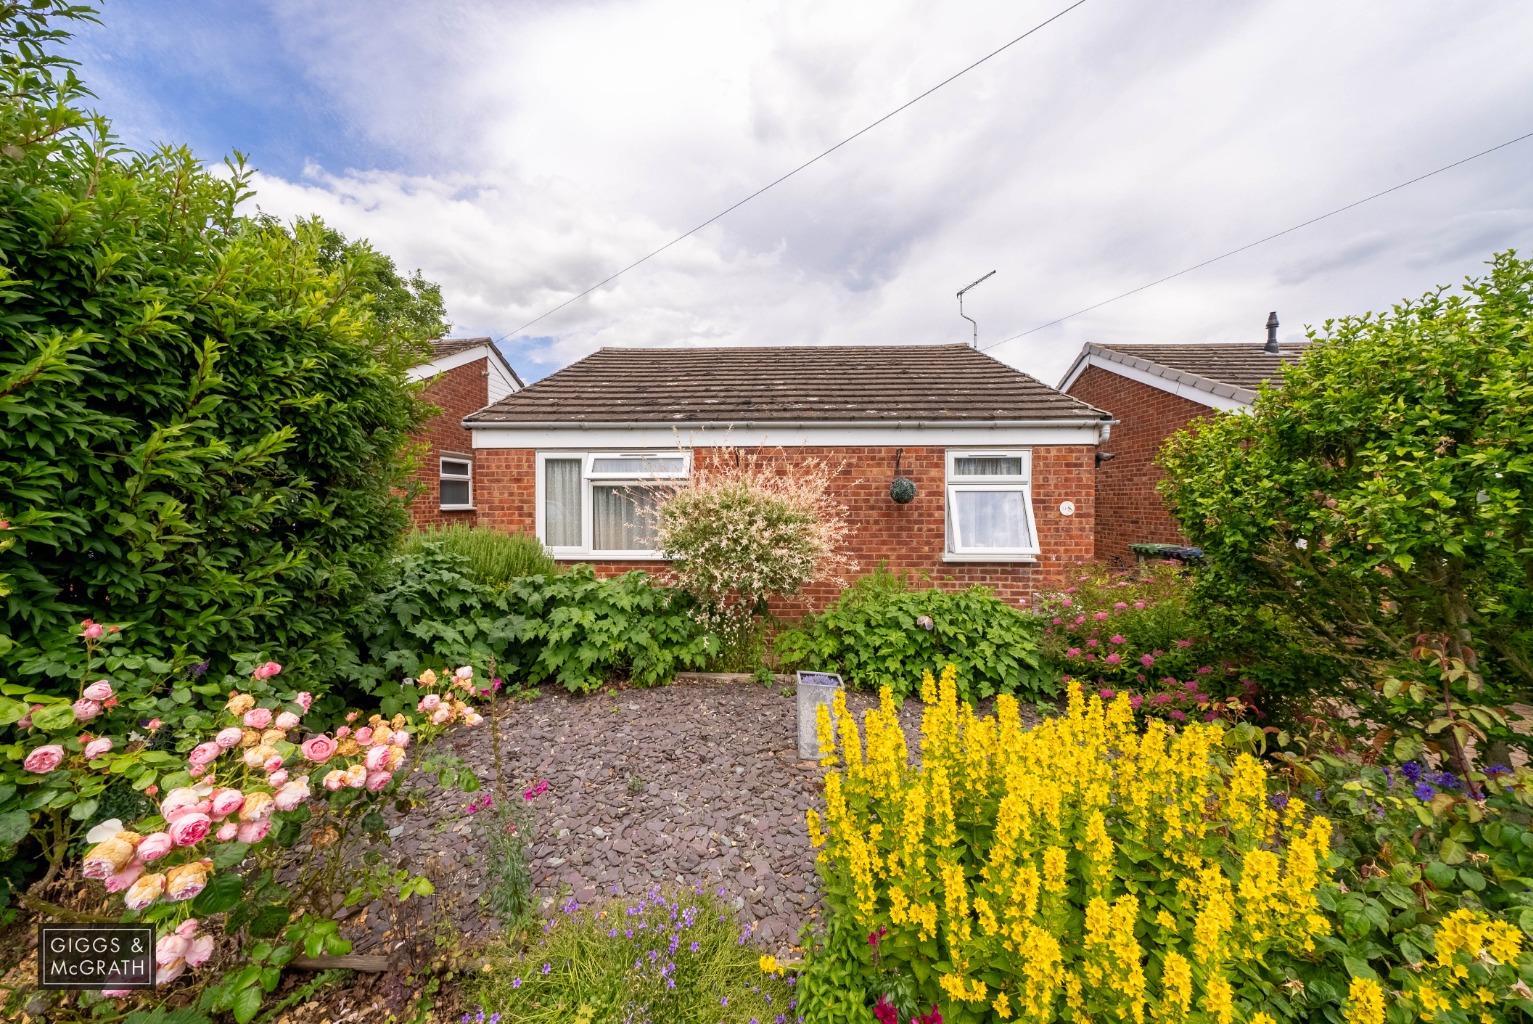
(654, 958)
(1379, 496)
(745, 528)
(197, 429)
(1130, 631)
(584, 632)
(495, 558)
(880, 632)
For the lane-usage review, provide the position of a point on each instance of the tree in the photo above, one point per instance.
(200, 433)
(1376, 509)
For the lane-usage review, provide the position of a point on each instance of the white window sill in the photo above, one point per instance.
(456, 508)
(609, 556)
(948, 556)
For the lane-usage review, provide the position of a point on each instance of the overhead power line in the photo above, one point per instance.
(807, 163)
(1260, 241)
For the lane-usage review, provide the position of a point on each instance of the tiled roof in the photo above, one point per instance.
(806, 383)
(441, 348)
(1238, 365)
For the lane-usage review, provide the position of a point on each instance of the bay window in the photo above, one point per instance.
(597, 504)
(990, 506)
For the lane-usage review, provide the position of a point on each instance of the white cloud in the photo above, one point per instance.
(538, 148)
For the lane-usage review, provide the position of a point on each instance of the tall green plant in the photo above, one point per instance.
(196, 429)
(1379, 504)
(495, 558)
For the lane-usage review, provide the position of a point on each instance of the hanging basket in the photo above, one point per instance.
(903, 490)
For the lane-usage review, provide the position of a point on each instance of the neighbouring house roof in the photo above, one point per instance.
(450, 353)
(808, 384)
(1221, 374)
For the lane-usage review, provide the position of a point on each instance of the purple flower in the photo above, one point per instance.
(1498, 769)
(723, 1000)
(1412, 771)
(694, 947)
(1279, 800)
(516, 982)
(1424, 791)
(547, 968)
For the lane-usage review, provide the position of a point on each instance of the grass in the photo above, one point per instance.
(659, 959)
(495, 558)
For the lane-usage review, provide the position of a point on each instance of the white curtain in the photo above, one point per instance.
(561, 503)
(991, 465)
(618, 520)
(992, 519)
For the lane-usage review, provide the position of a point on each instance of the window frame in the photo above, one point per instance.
(953, 548)
(589, 480)
(468, 479)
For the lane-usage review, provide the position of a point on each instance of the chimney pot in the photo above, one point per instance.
(1272, 326)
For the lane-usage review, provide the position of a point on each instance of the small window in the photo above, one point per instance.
(990, 505)
(599, 504)
(457, 484)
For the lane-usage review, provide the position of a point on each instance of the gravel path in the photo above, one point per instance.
(695, 783)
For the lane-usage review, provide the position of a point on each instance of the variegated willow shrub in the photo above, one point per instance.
(1088, 870)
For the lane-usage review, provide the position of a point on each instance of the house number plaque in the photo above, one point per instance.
(1067, 508)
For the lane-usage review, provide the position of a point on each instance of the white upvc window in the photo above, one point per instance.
(457, 483)
(597, 504)
(990, 506)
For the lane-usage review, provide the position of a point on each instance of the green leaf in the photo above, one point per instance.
(227, 855)
(247, 1003)
(1358, 968)
(12, 710)
(222, 893)
(54, 718)
(1439, 874)
(269, 921)
(1472, 878)
(1452, 852)
(14, 826)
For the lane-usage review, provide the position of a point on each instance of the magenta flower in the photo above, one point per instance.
(1113, 659)
(1118, 638)
(1074, 652)
(1108, 695)
(1146, 660)
(1100, 616)
(1121, 605)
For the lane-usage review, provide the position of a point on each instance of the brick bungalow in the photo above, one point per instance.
(465, 374)
(1002, 464)
(1152, 392)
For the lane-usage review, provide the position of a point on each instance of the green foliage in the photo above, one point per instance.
(495, 558)
(880, 632)
(197, 430)
(596, 973)
(584, 632)
(1378, 496)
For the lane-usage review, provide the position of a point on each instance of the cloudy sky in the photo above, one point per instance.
(519, 152)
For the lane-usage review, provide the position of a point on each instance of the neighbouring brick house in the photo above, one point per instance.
(465, 374)
(1152, 392)
(1002, 464)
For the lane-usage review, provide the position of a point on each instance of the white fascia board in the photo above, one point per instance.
(1183, 385)
(656, 436)
(502, 374)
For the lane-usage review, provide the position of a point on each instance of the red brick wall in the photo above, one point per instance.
(1129, 508)
(905, 536)
(458, 392)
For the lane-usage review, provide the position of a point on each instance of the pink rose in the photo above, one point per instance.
(228, 739)
(144, 891)
(318, 749)
(258, 718)
(286, 720)
(303, 700)
(228, 830)
(472, 718)
(197, 771)
(98, 691)
(277, 778)
(351, 716)
(154, 846)
(377, 780)
(343, 732)
(335, 779)
(430, 702)
(273, 763)
(377, 758)
(257, 806)
(364, 735)
(154, 725)
(254, 831)
(169, 949)
(204, 754)
(44, 759)
(356, 776)
(267, 670)
(198, 950)
(291, 795)
(188, 928)
(226, 802)
(441, 716)
(85, 710)
(184, 881)
(400, 739)
(92, 630)
(130, 873)
(95, 748)
(166, 975)
(190, 829)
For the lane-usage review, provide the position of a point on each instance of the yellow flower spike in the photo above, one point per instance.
(816, 837)
(825, 732)
(1365, 1002)
(1176, 988)
(1219, 998)
(1002, 1006)
(770, 966)
(928, 688)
